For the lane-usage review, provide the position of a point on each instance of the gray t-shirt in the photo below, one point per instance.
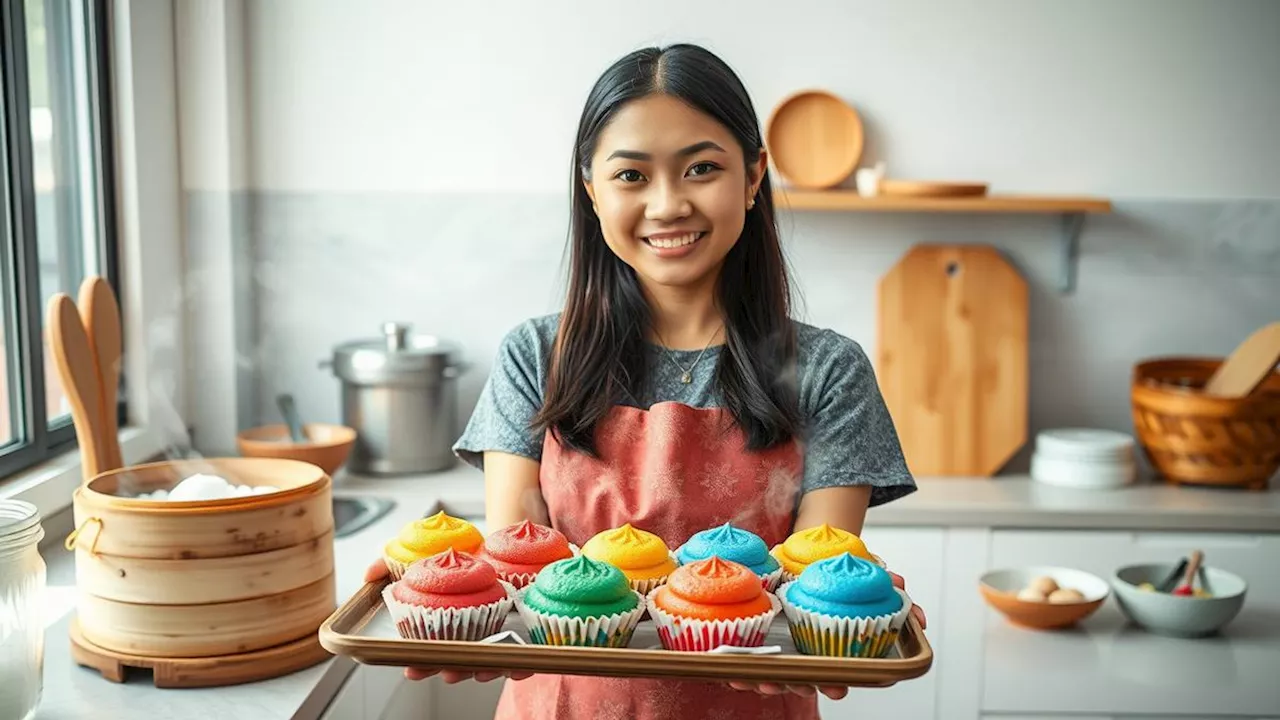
(849, 437)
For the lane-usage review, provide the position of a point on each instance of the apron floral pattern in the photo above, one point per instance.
(672, 470)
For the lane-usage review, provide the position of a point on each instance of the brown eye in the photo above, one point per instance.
(703, 168)
(629, 176)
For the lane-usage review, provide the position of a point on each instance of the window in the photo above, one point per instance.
(56, 204)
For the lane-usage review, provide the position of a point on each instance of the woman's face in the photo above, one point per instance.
(671, 189)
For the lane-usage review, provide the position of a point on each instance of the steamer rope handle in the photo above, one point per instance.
(70, 542)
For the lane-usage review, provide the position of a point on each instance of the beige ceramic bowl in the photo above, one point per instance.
(328, 445)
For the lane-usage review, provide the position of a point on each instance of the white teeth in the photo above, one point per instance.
(675, 242)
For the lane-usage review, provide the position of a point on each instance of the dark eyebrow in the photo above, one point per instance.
(693, 149)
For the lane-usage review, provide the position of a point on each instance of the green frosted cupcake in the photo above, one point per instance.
(580, 601)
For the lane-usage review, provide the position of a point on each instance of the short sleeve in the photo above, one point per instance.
(510, 398)
(850, 438)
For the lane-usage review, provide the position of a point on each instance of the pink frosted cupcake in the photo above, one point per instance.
(519, 551)
(449, 596)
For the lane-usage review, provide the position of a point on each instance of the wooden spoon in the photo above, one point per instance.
(100, 315)
(74, 357)
(1248, 365)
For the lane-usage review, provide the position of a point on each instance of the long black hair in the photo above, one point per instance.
(599, 353)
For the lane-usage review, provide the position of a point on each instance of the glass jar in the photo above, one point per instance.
(22, 584)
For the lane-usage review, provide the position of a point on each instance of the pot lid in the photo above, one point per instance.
(397, 352)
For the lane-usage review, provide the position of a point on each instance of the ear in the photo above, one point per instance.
(755, 173)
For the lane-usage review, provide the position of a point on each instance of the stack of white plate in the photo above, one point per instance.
(1084, 458)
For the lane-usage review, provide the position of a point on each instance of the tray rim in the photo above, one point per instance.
(338, 635)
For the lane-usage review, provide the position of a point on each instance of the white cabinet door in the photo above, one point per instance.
(1110, 667)
(916, 554)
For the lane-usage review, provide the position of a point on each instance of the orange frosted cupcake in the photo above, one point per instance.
(806, 547)
(710, 603)
(519, 551)
(642, 556)
(429, 536)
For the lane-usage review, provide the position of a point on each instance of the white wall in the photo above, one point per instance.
(1143, 98)
(409, 161)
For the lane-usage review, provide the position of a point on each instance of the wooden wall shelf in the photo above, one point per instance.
(1071, 209)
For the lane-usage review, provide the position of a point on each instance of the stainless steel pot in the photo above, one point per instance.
(399, 393)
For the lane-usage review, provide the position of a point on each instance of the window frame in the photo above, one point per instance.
(23, 310)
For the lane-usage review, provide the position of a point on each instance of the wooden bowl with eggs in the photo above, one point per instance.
(1042, 597)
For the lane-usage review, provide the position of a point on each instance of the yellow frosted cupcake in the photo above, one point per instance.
(805, 547)
(429, 536)
(642, 556)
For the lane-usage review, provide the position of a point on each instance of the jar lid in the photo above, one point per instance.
(397, 355)
(18, 518)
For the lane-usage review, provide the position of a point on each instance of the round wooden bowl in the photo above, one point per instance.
(1197, 439)
(327, 447)
(112, 522)
(815, 139)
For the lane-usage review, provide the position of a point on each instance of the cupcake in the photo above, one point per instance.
(580, 601)
(817, 543)
(737, 545)
(642, 556)
(519, 551)
(425, 537)
(844, 606)
(449, 596)
(709, 603)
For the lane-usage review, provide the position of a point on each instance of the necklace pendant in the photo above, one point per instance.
(686, 378)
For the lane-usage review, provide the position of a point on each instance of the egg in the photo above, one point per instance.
(1045, 584)
(1030, 594)
(1066, 595)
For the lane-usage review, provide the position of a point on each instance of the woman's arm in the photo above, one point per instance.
(511, 491)
(843, 507)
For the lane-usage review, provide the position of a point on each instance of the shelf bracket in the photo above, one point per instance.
(1069, 244)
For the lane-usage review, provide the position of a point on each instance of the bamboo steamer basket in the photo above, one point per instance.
(161, 578)
(1197, 439)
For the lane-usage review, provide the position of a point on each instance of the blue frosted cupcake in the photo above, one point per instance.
(844, 606)
(736, 545)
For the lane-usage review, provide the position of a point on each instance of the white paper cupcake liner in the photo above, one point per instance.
(694, 635)
(827, 635)
(612, 631)
(415, 622)
(772, 580)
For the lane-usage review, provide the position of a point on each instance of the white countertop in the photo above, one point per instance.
(72, 692)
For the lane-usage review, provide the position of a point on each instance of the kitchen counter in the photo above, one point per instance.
(72, 692)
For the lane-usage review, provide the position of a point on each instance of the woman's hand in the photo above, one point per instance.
(916, 611)
(377, 571)
(835, 692)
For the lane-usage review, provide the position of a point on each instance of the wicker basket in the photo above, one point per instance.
(1197, 439)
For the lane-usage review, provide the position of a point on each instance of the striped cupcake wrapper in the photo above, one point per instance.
(693, 635)
(614, 631)
(830, 636)
(414, 622)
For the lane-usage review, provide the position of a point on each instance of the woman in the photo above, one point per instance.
(674, 391)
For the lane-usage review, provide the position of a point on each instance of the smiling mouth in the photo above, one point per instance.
(675, 241)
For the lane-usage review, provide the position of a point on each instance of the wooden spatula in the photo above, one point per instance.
(100, 315)
(74, 358)
(1247, 366)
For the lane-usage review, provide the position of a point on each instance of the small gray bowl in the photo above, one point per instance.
(1179, 616)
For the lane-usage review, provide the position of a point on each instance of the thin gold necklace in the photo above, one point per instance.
(686, 376)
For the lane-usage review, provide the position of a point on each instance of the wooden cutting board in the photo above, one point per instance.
(951, 358)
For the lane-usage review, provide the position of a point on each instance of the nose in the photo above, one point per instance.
(666, 202)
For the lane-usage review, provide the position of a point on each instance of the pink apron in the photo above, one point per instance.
(672, 470)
